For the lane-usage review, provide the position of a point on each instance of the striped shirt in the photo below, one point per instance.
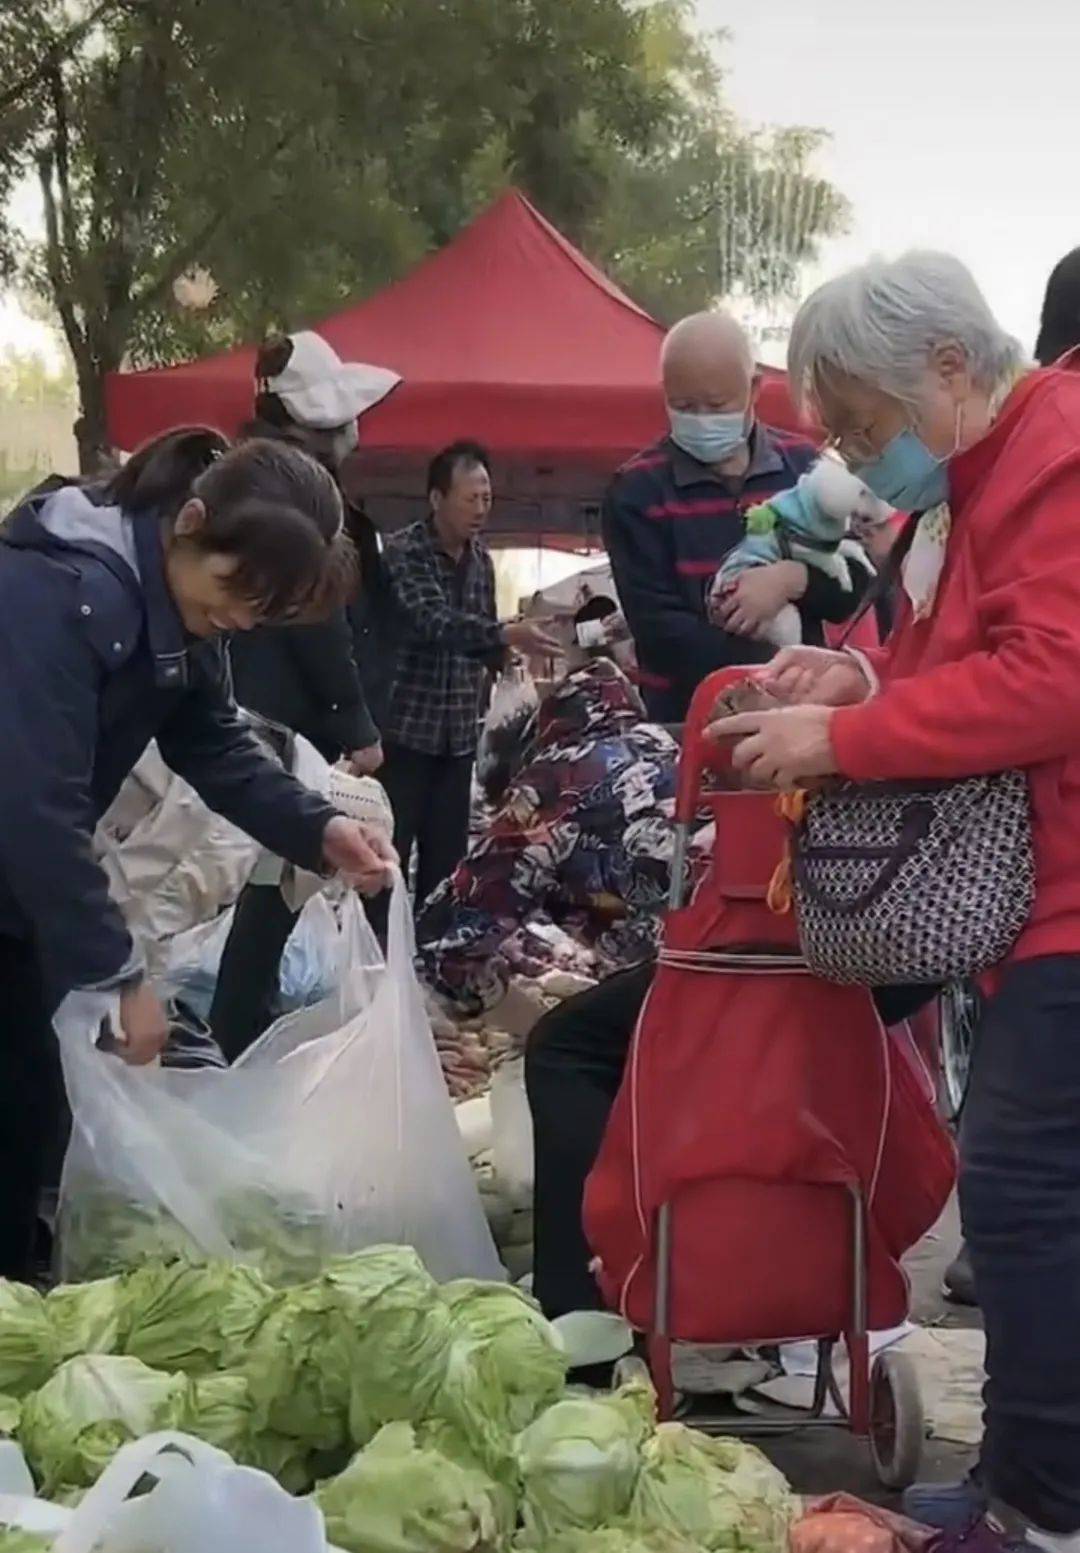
(669, 522)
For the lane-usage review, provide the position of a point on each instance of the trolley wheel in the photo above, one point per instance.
(630, 1370)
(960, 1007)
(897, 1421)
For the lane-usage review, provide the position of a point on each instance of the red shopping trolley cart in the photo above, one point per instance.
(772, 1152)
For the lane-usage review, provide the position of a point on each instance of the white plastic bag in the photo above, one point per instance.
(192, 1499)
(334, 1132)
(309, 964)
(201, 1502)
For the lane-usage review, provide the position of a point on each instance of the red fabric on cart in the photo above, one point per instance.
(751, 1103)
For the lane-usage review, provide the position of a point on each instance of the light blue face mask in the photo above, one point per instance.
(709, 438)
(906, 474)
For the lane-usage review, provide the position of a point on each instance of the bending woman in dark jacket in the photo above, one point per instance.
(111, 602)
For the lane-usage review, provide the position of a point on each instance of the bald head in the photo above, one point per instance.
(707, 364)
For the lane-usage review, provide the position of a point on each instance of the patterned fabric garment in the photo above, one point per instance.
(447, 640)
(582, 842)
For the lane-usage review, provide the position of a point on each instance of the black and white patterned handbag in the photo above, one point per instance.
(906, 882)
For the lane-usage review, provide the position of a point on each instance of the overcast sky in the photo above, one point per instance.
(955, 124)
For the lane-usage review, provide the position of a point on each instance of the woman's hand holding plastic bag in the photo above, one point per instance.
(144, 1026)
(360, 853)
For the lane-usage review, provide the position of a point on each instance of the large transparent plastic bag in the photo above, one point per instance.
(169, 1493)
(334, 1131)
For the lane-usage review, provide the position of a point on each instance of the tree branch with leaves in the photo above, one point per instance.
(304, 155)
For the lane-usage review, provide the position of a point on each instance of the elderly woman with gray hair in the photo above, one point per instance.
(929, 402)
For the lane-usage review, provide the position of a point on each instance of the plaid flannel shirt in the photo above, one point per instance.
(448, 640)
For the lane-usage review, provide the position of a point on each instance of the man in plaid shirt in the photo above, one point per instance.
(449, 642)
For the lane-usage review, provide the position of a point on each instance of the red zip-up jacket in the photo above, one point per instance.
(992, 678)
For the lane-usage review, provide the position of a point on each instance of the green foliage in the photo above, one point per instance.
(307, 154)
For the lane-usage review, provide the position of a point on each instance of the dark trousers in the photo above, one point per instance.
(431, 797)
(1020, 1200)
(31, 1091)
(246, 995)
(574, 1065)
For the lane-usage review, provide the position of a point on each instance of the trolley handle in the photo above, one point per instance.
(698, 753)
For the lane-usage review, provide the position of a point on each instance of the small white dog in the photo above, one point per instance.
(820, 522)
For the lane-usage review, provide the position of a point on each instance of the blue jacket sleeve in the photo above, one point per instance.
(206, 743)
(49, 694)
(672, 638)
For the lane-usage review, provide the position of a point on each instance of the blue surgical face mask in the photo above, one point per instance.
(907, 475)
(709, 438)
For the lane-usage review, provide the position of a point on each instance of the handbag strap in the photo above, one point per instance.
(887, 577)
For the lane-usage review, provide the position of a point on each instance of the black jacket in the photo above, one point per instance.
(305, 677)
(371, 616)
(94, 663)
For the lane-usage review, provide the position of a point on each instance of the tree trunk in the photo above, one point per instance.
(96, 454)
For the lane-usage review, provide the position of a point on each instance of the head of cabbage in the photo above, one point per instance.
(29, 1350)
(217, 1409)
(721, 1494)
(579, 1461)
(191, 1318)
(400, 1497)
(298, 1369)
(398, 1333)
(73, 1427)
(10, 1416)
(506, 1366)
(86, 1316)
(14, 1540)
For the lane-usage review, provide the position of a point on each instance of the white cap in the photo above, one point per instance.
(321, 391)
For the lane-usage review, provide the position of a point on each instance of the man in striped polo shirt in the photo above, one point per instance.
(673, 513)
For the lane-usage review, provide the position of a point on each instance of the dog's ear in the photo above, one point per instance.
(274, 356)
(835, 487)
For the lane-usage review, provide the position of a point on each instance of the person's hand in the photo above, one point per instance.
(783, 749)
(531, 637)
(367, 762)
(814, 674)
(360, 853)
(144, 1026)
(759, 594)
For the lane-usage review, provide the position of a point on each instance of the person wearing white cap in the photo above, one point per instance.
(308, 678)
(304, 678)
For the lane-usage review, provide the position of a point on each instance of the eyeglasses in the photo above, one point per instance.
(853, 447)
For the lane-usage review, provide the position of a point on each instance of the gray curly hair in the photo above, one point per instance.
(880, 323)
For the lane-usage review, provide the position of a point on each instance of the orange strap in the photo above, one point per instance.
(790, 807)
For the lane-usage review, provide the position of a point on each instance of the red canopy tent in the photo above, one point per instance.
(508, 335)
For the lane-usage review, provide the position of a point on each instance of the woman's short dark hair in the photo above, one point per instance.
(1059, 327)
(445, 465)
(269, 505)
